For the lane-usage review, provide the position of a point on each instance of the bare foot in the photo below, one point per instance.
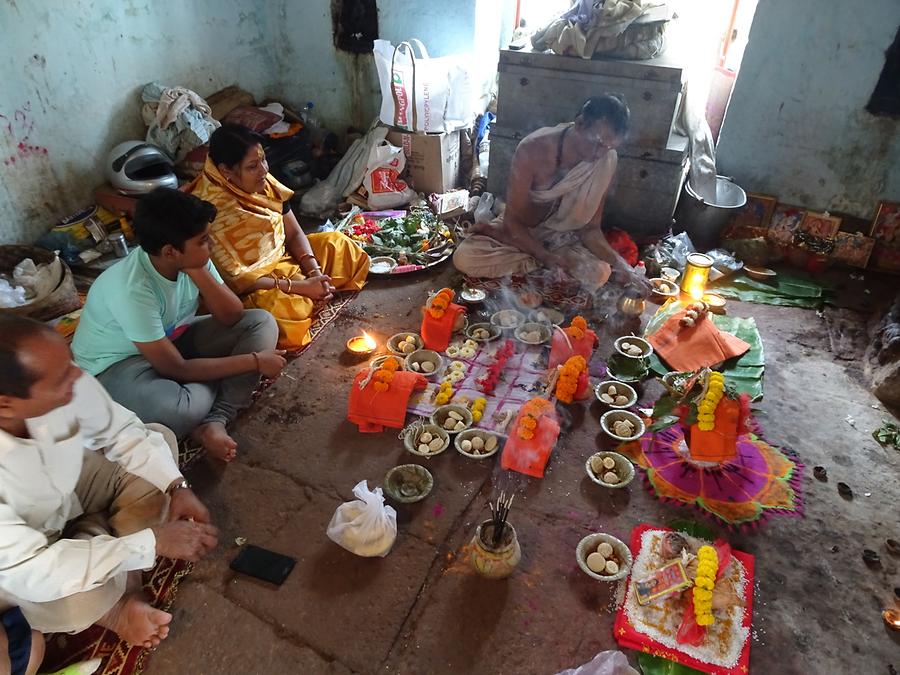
(215, 440)
(136, 622)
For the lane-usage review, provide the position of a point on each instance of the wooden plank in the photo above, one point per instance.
(529, 99)
(667, 67)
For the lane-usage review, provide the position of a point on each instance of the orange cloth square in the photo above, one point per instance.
(374, 410)
(702, 346)
(436, 332)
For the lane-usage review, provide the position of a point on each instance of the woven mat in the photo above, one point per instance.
(160, 583)
(521, 380)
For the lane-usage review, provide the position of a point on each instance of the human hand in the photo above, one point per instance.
(185, 540)
(196, 273)
(271, 361)
(184, 505)
(315, 287)
(640, 283)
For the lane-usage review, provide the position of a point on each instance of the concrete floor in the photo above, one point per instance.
(422, 610)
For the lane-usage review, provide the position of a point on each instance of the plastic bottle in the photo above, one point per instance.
(641, 269)
(309, 119)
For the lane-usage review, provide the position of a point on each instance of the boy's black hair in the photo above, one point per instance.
(15, 379)
(169, 216)
(230, 143)
(610, 107)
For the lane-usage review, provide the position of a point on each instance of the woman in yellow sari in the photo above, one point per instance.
(257, 244)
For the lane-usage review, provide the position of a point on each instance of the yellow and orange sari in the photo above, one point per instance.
(248, 242)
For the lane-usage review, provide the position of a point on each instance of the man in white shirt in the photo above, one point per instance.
(89, 496)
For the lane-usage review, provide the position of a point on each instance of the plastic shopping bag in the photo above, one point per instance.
(382, 181)
(364, 526)
(420, 93)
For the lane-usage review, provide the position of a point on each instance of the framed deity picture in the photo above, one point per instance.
(821, 225)
(757, 212)
(885, 258)
(886, 226)
(786, 221)
(852, 249)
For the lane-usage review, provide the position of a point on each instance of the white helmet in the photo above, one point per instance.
(136, 168)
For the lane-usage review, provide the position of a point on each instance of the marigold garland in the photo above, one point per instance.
(706, 409)
(385, 374)
(440, 302)
(531, 411)
(576, 329)
(704, 583)
(569, 373)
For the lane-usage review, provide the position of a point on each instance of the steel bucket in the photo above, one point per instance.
(705, 221)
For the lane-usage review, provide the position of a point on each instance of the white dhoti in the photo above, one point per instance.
(579, 196)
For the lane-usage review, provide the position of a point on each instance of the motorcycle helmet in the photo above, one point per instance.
(137, 167)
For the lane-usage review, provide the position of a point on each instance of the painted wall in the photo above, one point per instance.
(71, 80)
(797, 126)
(344, 87)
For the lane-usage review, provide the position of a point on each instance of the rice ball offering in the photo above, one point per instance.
(479, 444)
(616, 395)
(631, 349)
(604, 560)
(426, 442)
(605, 469)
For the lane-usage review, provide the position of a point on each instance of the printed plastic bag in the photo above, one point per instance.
(420, 93)
(364, 526)
(604, 663)
(382, 181)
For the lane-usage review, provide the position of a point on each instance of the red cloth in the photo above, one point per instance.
(374, 410)
(629, 638)
(624, 245)
(436, 333)
(531, 456)
(563, 347)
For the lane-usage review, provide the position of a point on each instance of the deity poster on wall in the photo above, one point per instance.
(852, 249)
(821, 225)
(886, 226)
(786, 221)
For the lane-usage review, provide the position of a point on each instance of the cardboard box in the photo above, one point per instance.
(432, 160)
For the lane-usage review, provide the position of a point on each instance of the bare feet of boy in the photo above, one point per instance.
(136, 622)
(215, 440)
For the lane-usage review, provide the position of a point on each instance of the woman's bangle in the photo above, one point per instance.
(290, 286)
(256, 359)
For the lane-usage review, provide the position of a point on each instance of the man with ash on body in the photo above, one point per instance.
(89, 496)
(557, 188)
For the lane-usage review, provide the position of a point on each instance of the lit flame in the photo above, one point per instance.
(369, 341)
(696, 292)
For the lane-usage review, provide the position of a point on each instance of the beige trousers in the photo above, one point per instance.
(114, 502)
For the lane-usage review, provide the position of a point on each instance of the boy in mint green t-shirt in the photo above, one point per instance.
(140, 334)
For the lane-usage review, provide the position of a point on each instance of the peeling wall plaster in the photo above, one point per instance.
(796, 126)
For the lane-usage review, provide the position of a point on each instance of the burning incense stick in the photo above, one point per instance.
(499, 514)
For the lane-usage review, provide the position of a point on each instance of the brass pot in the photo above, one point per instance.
(632, 306)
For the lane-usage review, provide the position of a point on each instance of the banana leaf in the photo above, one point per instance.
(786, 291)
(656, 665)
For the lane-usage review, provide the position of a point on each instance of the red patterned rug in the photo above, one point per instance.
(160, 585)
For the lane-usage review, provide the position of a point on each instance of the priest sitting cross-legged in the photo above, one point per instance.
(89, 497)
(557, 187)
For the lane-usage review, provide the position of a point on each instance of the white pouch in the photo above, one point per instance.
(420, 93)
(364, 526)
(382, 180)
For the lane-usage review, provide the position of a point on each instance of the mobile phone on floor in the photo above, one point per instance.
(263, 564)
